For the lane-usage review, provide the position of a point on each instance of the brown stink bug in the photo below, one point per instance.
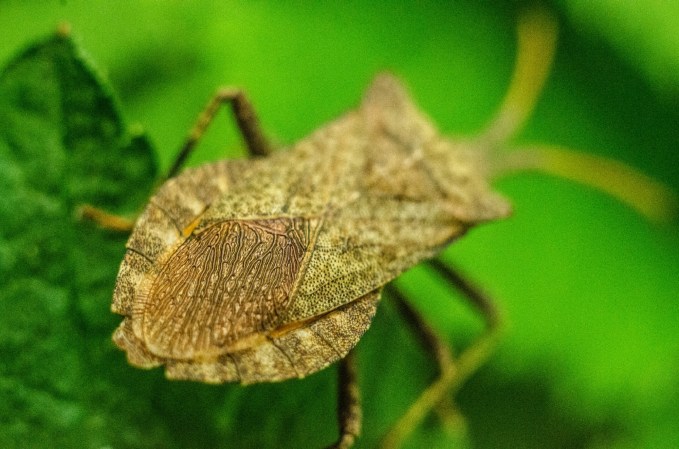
(271, 268)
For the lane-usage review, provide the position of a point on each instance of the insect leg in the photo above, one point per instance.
(429, 398)
(248, 125)
(473, 294)
(105, 219)
(246, 119)
(453, 370)
(349, 412)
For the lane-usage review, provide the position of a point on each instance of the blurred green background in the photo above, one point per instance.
(589, 288)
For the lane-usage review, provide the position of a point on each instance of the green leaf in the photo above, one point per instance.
(62, 144)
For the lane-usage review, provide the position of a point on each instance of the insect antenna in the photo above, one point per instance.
(536, 44)
(644, 194)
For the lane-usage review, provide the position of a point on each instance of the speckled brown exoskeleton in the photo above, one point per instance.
(271, 268)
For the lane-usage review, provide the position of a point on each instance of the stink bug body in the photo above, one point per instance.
(271, 268)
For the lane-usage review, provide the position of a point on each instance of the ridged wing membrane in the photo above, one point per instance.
(232, 280)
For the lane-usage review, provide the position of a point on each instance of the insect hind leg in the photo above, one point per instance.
(105, 219)
(246, 119)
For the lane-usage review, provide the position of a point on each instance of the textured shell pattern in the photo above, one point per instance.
(271, 268)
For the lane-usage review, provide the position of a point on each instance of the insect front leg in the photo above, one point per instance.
(349, 414)
(453, 371)
(246, 119)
